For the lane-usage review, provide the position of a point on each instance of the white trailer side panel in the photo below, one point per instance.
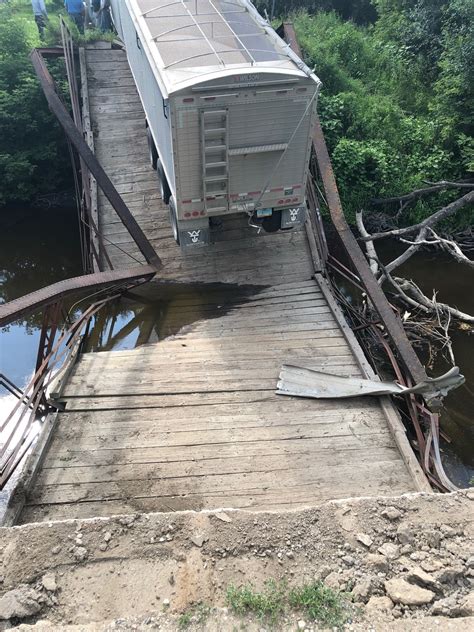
(156, 108)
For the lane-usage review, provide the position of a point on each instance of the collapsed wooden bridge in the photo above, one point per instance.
(192, 420)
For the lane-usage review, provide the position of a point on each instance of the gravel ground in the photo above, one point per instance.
(406, 563)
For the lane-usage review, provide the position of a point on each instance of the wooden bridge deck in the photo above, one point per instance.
(193, 421)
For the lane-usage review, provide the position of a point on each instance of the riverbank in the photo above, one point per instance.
(396, 563)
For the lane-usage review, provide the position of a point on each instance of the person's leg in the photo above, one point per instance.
(39, 19)
(105, 22)
(78, 20)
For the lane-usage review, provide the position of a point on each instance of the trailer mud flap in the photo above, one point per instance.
(291, 217)
(194, 236)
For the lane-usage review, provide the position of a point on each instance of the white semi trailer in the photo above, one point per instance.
(229, 111)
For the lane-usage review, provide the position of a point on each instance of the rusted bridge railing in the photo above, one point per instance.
(58, 347)
(79, 135)
(423, 415)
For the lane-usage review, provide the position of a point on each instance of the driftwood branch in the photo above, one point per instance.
(369, 244)
(430, 221)
(409, 252)
(433, 188)
(411, 293)
(447, 245)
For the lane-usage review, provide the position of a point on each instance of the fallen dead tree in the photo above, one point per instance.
(427, 320)
(425, 236)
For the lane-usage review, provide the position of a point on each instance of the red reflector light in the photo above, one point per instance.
(280, 201)
(187, 215)
(195, 213)
(188, 100)
(209, 98)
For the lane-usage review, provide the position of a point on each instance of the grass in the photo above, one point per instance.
(268, 605)
(198, 613)
(314, 601)
(319, 603)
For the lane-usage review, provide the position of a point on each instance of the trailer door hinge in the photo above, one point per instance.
(165, 108)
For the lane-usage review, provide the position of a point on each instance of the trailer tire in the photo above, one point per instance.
(174, 219)
(151, 149)
(165, 190)
(272, 224)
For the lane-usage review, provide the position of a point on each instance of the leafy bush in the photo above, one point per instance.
(32, 146)
(388, 128)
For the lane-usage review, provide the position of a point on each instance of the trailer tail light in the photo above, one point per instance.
(282, 91)
(188, 100)
(209, 98)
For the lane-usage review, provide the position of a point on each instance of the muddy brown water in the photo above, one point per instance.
(40, 247)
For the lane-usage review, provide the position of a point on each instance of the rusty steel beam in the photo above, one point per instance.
(29, 303)
(391, 321)
(51, 51)
(76, 138)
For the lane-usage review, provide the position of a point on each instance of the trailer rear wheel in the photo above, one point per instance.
(151, 148)
(164, 187)
(174, 219)
(272, 223)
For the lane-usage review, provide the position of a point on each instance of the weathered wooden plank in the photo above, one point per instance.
(257, 484)
(283, 408)
(183, 361)
(252, 501)
(244, 463)
(98, 428)
(62, 457)
(352, 428)
(94, 402)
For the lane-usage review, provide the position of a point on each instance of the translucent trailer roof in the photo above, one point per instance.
(192, 41)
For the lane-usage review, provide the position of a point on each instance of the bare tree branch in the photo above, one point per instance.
(423, 302)
(433, 219)
(448, 245)
(433, 188)
(369, 245)
(409, 252)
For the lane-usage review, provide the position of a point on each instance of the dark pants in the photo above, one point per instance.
(78, 19)
(105, 21)
(40, 23)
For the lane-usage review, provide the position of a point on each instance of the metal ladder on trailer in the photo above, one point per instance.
(215, 160)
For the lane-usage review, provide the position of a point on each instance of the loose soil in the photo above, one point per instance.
(406, 562)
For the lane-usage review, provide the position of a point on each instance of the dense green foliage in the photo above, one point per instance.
(361, 11)
(396, 103)
(33, 154)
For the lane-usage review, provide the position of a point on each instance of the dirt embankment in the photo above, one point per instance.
(408, 563)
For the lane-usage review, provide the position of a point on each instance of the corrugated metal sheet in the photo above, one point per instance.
(191, 41)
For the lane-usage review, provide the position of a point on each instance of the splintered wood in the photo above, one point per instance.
(193, 421)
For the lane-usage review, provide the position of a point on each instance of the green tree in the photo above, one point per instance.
(384, 122)
(32, 146)
(361, 11)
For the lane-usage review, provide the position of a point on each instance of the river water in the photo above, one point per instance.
(40, 247)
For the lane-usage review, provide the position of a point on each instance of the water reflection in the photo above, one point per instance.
(37, 247)
(128, 324)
